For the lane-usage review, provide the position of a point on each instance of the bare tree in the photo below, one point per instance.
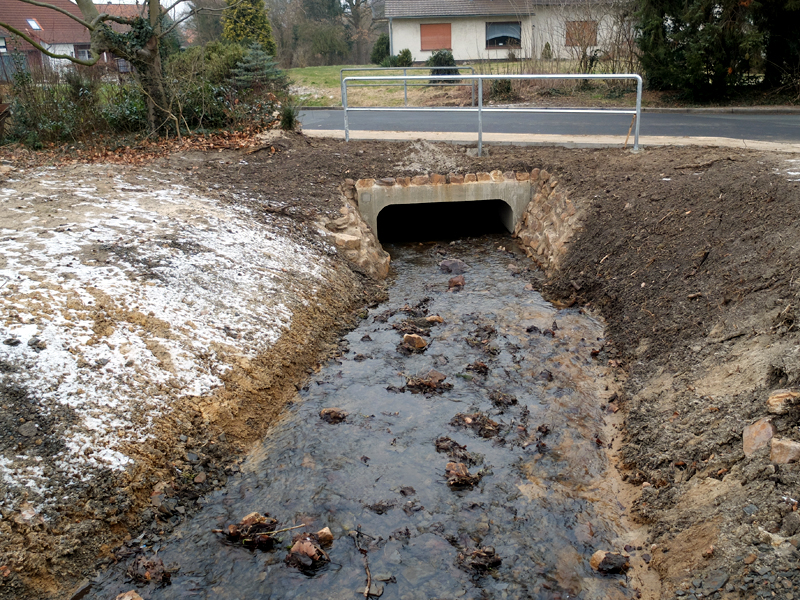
(358, 16)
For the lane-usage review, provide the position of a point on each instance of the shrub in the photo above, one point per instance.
(50, 107)
(125, 109)
(380, 51)
(213, 63)
(547, 52)
(500, 89)
(205, 105)
(289, 116)
(444, 62)
(404, 59)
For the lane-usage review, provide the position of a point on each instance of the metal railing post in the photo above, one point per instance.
(472, 86)
(480, 116)
(344, 107)
(405, 88)
(638, 112)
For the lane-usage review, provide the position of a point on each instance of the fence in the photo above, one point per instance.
(405, 83)
(480, 109)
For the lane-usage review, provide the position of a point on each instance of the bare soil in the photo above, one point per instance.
(690, 254)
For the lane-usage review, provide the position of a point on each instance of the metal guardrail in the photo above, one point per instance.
(480, 109)
(405, 83)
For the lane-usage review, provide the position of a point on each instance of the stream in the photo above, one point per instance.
(527, 402)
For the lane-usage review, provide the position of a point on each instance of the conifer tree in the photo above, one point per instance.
(259, 71)
(247, 21)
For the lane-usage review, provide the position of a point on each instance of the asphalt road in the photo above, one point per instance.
(782, 127)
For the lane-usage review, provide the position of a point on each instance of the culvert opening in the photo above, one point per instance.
(437, 221)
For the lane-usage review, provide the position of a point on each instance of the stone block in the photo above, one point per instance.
(349, 193)
(535, 174)
(385, 181)
(470, 178)
(781, 402)
(420, 180)
(346, 241)
(364, 183)
(483, 177)
(522, 175)
(497, 175)
(553, 183)
(349, 182)
(509, 176)
(757, 436)
(784, 451)
(404, 181)
(437, 179)
(455, 179)
(543, 175)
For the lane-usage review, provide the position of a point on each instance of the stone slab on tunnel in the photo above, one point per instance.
(513, 188)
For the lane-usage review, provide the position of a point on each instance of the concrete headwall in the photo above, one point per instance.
(514, 189)
(539, 212)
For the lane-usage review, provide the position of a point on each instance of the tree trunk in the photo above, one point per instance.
(151, 77)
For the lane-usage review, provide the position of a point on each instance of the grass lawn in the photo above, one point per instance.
(320, 86)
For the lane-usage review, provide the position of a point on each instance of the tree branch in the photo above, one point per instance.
(103, 17)
(61, 10)
(46, 52)
(193, 12)
(188, 15)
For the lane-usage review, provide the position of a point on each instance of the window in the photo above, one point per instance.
(582, 34)
(3, 47)
(82, 51)
(435, 36)
(502, 35)
(34, 24)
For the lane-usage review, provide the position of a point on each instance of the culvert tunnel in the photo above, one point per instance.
(452, 206)
(443, 220)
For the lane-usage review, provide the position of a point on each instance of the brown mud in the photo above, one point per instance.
(691, 256)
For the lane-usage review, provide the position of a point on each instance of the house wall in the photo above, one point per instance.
(60, 63)
(467, 36)
(550, 25)
(547, 24)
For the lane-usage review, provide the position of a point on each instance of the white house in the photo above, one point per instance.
(490, 29)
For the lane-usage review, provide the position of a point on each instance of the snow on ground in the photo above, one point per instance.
(121, 292)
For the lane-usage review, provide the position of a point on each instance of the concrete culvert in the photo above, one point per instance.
(443, 220)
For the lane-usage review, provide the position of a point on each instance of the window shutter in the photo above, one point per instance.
(435, 36)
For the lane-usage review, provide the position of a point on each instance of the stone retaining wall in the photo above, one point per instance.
(539, 213)
(353, 237)
(549, 221)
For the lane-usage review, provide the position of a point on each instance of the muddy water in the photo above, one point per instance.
(541, 502)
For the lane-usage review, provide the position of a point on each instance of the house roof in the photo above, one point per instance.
(120, 10)
(53, 27)
(458, 8)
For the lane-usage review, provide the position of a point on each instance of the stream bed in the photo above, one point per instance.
(524, 415)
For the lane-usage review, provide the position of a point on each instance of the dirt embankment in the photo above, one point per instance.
(691, 256)
(694, 264)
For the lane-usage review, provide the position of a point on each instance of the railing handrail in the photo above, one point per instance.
(405, 81)
(637, 112)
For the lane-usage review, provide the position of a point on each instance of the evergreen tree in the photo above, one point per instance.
(247, 21)
(258, 71)
(322, 10)
(701, 47)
